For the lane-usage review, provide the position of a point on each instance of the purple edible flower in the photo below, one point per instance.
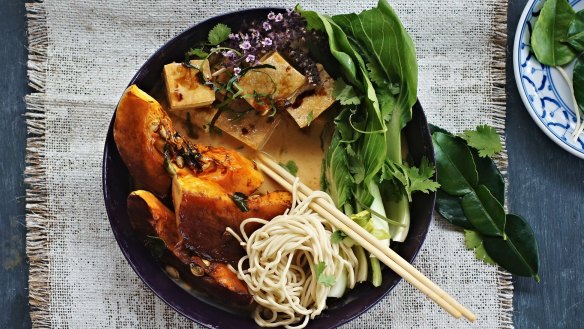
(267, 42)
(236, 71)
(233, 36)
(250, 58)
(267, 26)
(271, 15)
(279, 18)
(245, 45)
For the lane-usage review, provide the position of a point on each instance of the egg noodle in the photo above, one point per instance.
(284, 256)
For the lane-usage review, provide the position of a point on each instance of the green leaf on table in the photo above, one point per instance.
(519, 252)
(290, 166)
(576, 32)
(474, 241)
(218, 34)
(457, 173)
(578, 82)
(436, 129)
(450, 207)
(484, 212)
(345, 94)
(326, 280)
(490, 176)
(484, 139)
(551, 28)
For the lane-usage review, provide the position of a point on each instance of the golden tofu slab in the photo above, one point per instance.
(184, 87)
(248, 127)
(316, 103)
(251, 128)
(282, 81)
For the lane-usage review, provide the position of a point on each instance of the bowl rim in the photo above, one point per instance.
(426, 135)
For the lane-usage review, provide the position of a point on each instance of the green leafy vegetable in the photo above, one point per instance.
(290, 166)
(218, 34)
(550, 29)
(326, 280)
(240, 200)
(474, 242)
(484, 212)
(338, 236)
(457, 174)
(376, 89)
(576, 32)
(484, 139)
(519, 252)
(578, 83)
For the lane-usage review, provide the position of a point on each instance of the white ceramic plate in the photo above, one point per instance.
(544, 92)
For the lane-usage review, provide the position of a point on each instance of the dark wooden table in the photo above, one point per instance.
(546, 187)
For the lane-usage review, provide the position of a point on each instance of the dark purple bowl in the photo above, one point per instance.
(116, 188)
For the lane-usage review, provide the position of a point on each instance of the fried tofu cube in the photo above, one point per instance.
(251, 128)
(281, 83)
(312, 106)
(184, 86)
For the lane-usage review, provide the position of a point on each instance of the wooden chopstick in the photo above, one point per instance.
(367, 241)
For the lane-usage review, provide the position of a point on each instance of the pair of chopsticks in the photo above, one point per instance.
(366, 240)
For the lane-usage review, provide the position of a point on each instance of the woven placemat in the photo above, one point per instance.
(82, 54)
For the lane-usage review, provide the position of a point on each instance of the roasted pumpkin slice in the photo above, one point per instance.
(153, 151)
(150, 217)
(140, 122)
(204, 210)
(230, 170)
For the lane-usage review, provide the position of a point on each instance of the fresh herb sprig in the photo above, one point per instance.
(558, 40)
(471, 196)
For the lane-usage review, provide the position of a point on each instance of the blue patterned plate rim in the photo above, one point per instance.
(547, 122)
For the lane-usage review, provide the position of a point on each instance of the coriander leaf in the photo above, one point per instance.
(474, 241)
(345, 93)
(240, 200)
(550, 29)
(290, 166)
(421, 178)
(338, 236)
(411, 178)
(197, 52)
(326, 280)
(484, 139)
(376, 74)
(309, 118)
(218, 34)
